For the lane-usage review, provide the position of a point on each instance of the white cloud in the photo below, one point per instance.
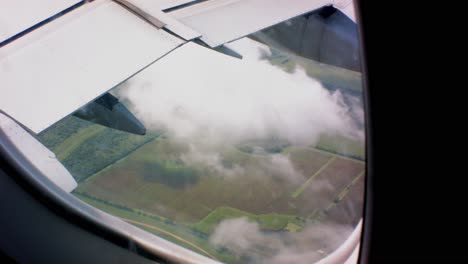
(282, 166)
(245, 238)
(237, 234)
(209, 101)
(196, 92)
(209, 158)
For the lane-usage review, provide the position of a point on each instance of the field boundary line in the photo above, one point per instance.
(298, 192)
(336, 155)
(345, 190)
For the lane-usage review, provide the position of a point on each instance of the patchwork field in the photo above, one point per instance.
(154, 179)
(182, 194)
(85, 148)
(185, 202)
(149, 182)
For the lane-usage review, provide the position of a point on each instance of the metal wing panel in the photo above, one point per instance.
(19, 15)
(56, 69)
(179, 28)
(152, 8)
(166, 4)
(222, 21)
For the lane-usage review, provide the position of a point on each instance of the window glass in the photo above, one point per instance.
(259, 159)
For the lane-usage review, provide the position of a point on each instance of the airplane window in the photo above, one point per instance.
(248, 153)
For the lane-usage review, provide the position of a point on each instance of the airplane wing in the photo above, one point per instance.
(168, 4)
(19, 15)
(63, 65)
(222, 21)
(56, 69)
(62, 57)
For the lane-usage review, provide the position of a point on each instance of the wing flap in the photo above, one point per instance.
(167, 4)
(222, 21)
(56, 69)
(19, 15)
(152, 9)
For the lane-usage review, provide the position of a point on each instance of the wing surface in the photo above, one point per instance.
(56, 69)
(61, 66)
(151, 11)
(167, 4)
(222, 21)
(19, 15)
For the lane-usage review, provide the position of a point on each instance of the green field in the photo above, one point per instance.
(342, 146)
(187, 234)
(189, 192)
(65, 148)
(152, 181)
(146, 182)
(299, 190)
(271, 222)
(186, 211)
(86, 148)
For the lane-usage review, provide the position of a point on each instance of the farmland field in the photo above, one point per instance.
(198, 198)
(86, 148)
(188, 193)
(194, 191)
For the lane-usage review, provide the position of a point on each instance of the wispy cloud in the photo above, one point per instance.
(245, 239)
(196, 92)
(211, 101)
